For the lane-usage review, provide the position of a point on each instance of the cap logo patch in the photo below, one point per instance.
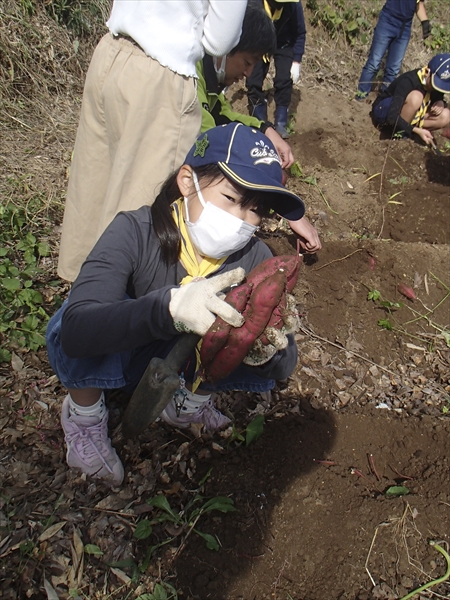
(201, 145)
(264, 154)
(445, 75)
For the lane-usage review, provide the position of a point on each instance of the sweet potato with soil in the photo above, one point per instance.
(277, 318)
(290, 265)
(218, 353)
(220, 330)
(406, 291)
(264, 299)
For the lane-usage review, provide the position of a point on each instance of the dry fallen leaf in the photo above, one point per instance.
(51, 531)
(121, 575)
(50, 591)
(76, 570)
(16, 362)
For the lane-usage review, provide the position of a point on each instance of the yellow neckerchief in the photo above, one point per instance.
(275, 16)
(420, 115)
(187, 256)
(194, 269)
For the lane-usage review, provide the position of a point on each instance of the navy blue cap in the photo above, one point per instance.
(439, 66)
(249, 159)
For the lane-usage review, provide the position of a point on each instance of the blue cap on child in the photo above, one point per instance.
(439, 66)
(249, 159)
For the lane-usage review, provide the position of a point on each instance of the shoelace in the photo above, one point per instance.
(85, 438)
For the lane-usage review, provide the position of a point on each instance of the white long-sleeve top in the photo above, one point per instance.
(177, 33)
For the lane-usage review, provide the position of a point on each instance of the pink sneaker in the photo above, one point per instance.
(89, 447)
(205, 413)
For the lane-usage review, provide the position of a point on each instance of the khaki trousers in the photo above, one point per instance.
(138, 121)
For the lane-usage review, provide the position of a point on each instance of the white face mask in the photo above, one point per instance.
(217, 233)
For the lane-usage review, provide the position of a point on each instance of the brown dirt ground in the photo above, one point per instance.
(362, 398)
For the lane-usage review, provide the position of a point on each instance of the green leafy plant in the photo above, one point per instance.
(396, 490)
(22, 315)
(93, 550)
(341, 18)
(439, 38)
(161, 591)
(290, 127)
(252, 432)
(236, 435)
(399, 180)
(80, 16)
(185, 520)
(254, 429)
(387, 305)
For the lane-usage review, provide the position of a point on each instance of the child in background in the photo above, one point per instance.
(257, 39)
(391, 35)
(289, 22)
(157, 271)
(414, 102)
(140, 113)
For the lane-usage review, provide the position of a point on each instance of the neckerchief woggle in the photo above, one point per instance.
(193, 268)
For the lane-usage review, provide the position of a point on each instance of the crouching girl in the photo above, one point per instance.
(158, 271)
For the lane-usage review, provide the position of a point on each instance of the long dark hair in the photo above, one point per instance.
(163, 223)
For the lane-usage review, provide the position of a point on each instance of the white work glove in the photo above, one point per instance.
(261, 353)
(194, 306)
(295, 71)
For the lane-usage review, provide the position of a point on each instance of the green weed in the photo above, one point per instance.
(439, 40)
(290, 127)
(185, 520)
(400, 180)
(387, 305)
(80, 16)
(23, 317)
(161, 591)
(253, 431)
(340, 18)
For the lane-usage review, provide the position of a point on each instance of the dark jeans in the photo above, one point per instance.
(124, 370)
(391, 35)
(282, 81)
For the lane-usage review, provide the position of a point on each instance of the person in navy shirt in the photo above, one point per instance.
(391, 34)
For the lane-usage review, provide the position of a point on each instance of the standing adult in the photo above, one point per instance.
(391, 35)
(140, 113)
(289, 22)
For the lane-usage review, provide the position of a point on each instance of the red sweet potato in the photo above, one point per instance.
(220, 330)
(406, 291)
(288, 264)
(277, 318)
(264, 299)
(224, 347)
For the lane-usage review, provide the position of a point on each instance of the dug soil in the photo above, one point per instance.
(364, 410)
(347, 488)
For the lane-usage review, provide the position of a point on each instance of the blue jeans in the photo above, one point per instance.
(124, 370)
(391, 35)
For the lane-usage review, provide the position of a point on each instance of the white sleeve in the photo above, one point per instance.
(223, 26)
